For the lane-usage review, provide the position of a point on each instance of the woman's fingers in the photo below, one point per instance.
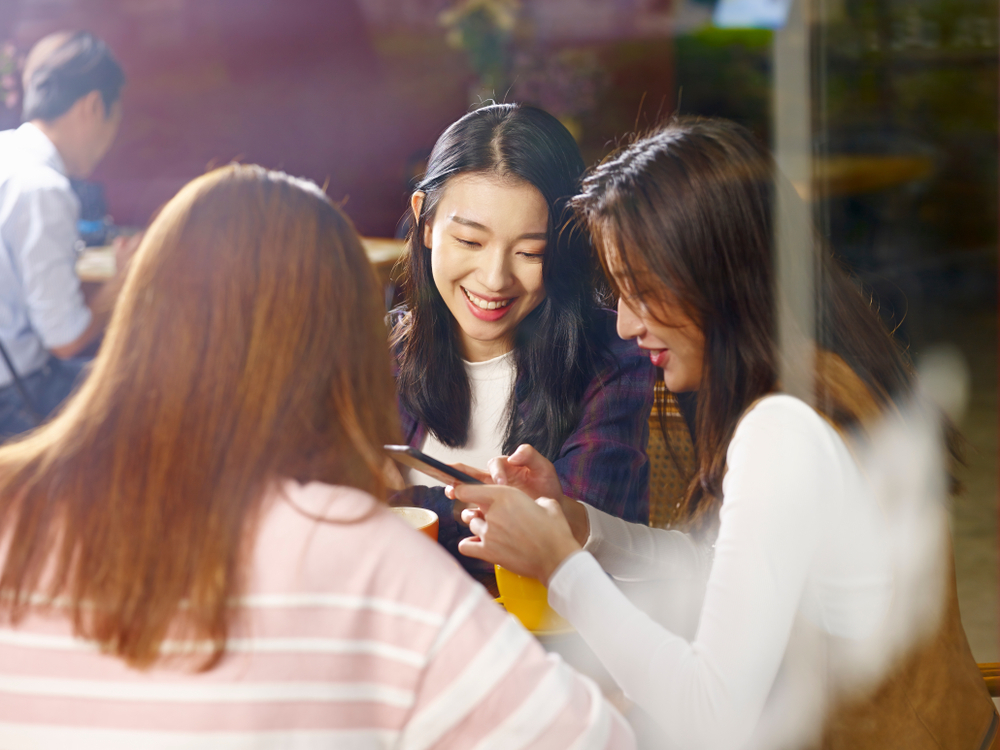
(484, 495)
(498, 469)
(477, 525)
(469, 513)
(464, 495)
(525, 469)
(475, 473)
(527, 456)
(525, 536)
(473, 547)
(531, 471)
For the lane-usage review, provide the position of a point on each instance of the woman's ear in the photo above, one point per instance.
(417, 204)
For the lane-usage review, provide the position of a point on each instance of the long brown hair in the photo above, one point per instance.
(688, 213)
(248, 345)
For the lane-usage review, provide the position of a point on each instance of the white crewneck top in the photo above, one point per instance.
(492, 382)
(801, 548)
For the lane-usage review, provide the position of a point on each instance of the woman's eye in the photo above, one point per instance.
(466, 243)
(532, 256)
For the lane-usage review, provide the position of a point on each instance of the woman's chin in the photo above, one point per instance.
(676, 384)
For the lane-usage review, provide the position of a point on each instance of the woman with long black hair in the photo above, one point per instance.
(804, 631)
(502, 339)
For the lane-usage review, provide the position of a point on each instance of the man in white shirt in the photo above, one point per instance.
(72, 109)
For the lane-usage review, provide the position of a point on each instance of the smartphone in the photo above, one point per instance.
(420, 461)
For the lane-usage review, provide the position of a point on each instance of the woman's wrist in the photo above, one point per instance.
(560, 555)
(576, 516)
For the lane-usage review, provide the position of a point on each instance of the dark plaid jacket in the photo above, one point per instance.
(603, 462)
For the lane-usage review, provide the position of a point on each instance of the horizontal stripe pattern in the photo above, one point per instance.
(361, 635)
(32, 736)
(190, 692)
(327, 601)
(233, 645)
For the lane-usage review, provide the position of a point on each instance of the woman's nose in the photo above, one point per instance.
(496, 274)
(630, 325)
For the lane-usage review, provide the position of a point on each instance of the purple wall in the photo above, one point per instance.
(290, 84)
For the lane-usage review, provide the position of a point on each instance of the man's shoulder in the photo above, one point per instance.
(28, 178)
(25, 169)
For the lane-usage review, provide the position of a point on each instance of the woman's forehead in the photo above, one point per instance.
(492, 201)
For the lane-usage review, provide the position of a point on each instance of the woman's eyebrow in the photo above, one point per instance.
(469, 223)
(476, 225)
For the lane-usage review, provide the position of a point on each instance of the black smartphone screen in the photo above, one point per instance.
(420, 461)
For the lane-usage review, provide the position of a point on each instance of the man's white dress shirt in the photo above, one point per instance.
(41, 304)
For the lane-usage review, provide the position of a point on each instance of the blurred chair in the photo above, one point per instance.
(670, 466)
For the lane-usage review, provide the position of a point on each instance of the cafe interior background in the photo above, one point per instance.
(900, 111)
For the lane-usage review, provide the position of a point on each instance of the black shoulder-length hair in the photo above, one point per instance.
(557, 347)
(687, 213)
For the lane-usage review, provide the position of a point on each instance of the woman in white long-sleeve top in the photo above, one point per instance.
(786, 526)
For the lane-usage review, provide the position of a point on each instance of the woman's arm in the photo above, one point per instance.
(709, 692)
(626, 551)
(635, 552)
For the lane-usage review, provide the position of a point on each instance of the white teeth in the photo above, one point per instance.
(483, 304)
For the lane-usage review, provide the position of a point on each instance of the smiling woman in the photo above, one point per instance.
(801, 608)
(487, 252)
(502, 340)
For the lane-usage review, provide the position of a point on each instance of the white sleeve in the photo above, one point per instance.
(634, 552)
(43, 237)
(710, 692)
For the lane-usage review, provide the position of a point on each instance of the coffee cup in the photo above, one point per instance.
(528, 600)
(421, 519)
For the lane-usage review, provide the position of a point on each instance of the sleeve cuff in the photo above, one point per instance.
(599, 522)
(577, 566)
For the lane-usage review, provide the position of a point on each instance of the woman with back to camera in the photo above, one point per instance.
(502, 340)
(683, 222)
(194, 551)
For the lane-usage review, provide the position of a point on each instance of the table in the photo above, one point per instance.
(97, 264)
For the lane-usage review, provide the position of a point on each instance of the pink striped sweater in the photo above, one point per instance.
(350, 635)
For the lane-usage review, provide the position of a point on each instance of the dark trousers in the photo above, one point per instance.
(47, 388)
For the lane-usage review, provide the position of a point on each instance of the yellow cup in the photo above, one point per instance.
(528, 600)
(421, 519)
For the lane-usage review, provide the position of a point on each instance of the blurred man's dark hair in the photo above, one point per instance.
(65, 66)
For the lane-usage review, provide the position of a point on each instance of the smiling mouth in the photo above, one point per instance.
(483, 304)
(657, 356)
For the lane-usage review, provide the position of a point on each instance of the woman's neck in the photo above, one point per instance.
(474, 350)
